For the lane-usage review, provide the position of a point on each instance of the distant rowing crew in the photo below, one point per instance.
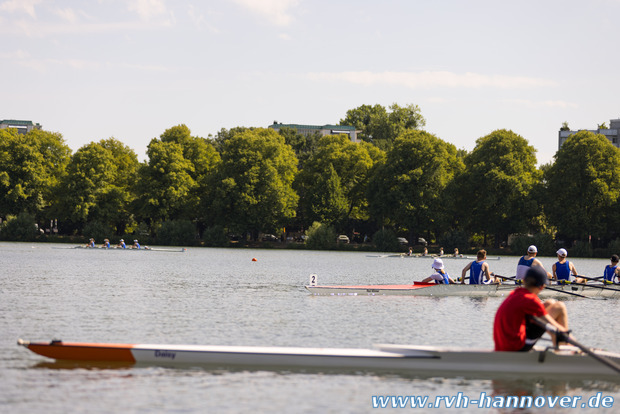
(121, 245)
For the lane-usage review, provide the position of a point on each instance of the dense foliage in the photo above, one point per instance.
(248, 182)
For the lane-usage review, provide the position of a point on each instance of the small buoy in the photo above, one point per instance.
(254, 259)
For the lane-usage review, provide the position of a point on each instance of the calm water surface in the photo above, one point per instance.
(222, 297)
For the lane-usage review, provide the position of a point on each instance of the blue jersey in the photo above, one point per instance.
(106, 245)
(523, 266)
(610, 273)
(446, 280)
(475, 273)
(562, 271)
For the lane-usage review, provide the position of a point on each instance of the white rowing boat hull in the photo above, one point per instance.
(431, 289)
(417, 360)
(143, 249)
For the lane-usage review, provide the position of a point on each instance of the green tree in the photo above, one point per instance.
(303, 145)
(332, 185)
(380, 126)
(175, 184)
(583, 185)
(254, 182)
(322, 199)
(203, 156)
(385, 240)
(165, 184)
(406, 191)
(99, 186)
(20, 228)
(177, 233)
(31, 166)
(321, 236)
(500, 174)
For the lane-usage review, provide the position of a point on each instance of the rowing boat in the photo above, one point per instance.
(432, 289)
(418, 360)
(429, 256)
(142, 249)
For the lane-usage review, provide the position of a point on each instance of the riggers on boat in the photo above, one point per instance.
(568, 361)
(431, 289)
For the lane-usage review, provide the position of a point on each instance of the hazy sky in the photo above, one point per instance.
(130, 69)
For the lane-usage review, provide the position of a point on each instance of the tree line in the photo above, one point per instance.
(245, 182)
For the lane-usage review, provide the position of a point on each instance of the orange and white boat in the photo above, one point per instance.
(483, 290)
(417, 360)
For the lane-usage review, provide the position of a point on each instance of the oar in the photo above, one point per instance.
(505, 277)
(595, 286)
(589, 278)
(572, 293)
(555, 290)
(565, 337)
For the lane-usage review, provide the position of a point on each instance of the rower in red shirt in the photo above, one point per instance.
(513, 329)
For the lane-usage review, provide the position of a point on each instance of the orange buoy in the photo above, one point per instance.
(254, 259)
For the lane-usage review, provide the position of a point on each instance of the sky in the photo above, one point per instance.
(130, 69)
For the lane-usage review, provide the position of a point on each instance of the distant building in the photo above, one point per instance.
(611, 133)
(321, 129)
(22, 127)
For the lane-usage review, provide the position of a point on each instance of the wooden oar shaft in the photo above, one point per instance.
(554, 330)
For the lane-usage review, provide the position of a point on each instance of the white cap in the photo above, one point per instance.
(438, 264)
(532, 249)
(562, 252)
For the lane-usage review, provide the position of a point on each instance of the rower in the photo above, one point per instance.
(440, 276)
(106, 244)
(91, 243)
(526, 262)
(121, 244)
(477, 269)
(514, 329)
(612, 271)
(136, 245)
(563, 269)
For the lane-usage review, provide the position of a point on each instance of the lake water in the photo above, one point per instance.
(222, 297)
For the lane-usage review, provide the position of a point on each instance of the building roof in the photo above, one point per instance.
(16, 122)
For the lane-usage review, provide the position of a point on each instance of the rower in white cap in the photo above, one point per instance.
(440, 276)
(563, 269)
(527, 261)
